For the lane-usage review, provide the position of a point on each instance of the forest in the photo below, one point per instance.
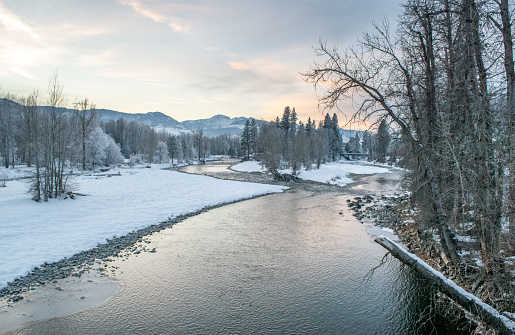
(288, 143)
(440, 88)
(38, 131)
(444, 80)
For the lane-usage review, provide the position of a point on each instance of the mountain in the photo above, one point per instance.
(218, 125)
(154, 119)
(213, 126)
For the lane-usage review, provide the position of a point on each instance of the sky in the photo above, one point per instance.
(187, 59)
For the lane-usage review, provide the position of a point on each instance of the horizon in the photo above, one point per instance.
(186, 60)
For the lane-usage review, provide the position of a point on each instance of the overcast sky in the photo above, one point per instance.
(188, 59)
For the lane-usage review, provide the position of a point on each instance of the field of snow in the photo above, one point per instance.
(336, 173)
(248, 166)
(32, 233)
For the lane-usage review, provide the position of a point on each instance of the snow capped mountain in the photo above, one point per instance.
(213, 126)
(154, 119)
(218, 125)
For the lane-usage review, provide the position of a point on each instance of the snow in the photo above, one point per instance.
(336, 173)
(248, 166)
(465, 238)
(32, 233)
(15, 173)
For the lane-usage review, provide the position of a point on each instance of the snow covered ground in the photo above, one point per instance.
(248, 166)
(32, 233)
(336, 173)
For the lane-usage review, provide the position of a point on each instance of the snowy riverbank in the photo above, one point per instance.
(336, 173)
(34, 233)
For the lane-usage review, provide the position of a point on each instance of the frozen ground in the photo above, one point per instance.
(32, 233)
(332, 173)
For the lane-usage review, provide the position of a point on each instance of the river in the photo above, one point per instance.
(290, 263)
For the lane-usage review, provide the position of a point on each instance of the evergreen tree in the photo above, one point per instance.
(309, 129)
(328, 123)
(337, 142)
(253, 135)
(286, 120)
(293, 120)
(382, 141)
(171, 144)
(246, 139)
(367, 144)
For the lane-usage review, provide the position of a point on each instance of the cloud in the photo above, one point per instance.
(23, 49)
(239, 65)
(12, 22)
(156, 17)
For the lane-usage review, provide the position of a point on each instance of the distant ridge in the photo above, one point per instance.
(154, 119)
(213, 126)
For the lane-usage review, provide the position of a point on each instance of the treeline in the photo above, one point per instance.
(56, 142)
(140, 142)
(446, 81)
(378, 147)
(289, 143)
(51, 140)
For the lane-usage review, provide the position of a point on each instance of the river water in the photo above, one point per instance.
(290, 263)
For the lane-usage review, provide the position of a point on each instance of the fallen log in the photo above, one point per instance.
(75, 193)
(468, 301)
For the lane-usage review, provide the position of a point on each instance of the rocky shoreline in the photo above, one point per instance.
(100, 257)
(97, 258)
(397, 213)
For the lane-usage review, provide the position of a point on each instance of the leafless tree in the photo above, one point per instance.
(86, 119)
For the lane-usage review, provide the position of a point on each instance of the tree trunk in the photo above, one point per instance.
(468, 301)
(510, 102)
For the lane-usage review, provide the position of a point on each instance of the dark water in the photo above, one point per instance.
(281, 264)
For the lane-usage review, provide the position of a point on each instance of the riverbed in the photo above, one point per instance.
(290, 263)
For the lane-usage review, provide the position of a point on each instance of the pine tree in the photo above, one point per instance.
(328, 123)
(382, 141)
(337, 142)
(293, 119)
(309, 128)
(367, 144)
(246, 139)
(171, 143)
(253, 135)
(286, 120)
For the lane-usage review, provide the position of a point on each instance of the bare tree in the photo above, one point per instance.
(86, 118)
(199, 140)
(380, 77)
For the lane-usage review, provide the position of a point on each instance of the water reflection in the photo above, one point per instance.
(281, 264)
(221, 165)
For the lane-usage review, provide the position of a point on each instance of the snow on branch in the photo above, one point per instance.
(470, 302)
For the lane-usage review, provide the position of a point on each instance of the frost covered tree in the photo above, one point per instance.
(161, 152)
(86, 120)
(113, 154)
(95, 145)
